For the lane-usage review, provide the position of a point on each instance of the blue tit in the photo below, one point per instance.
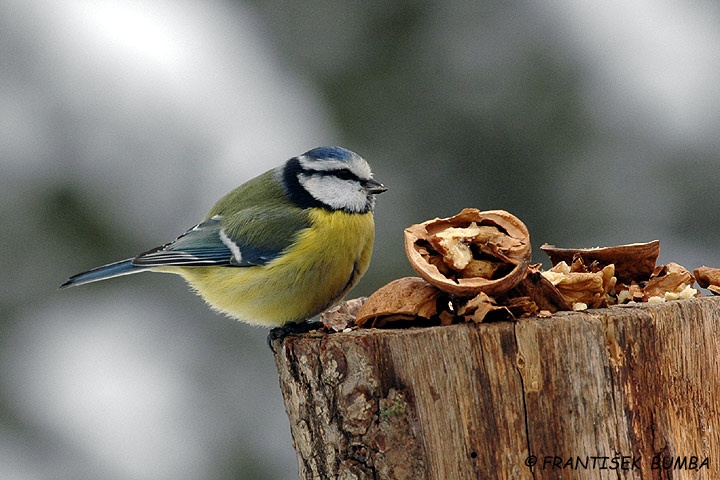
(278, 249)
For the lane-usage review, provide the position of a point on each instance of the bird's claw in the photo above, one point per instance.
(279, 333)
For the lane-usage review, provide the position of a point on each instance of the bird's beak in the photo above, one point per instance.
(374, 187)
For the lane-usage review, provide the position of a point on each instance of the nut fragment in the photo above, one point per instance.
(708, 277)
(633, 262)
(669, 282)
(537, 288)
(578, 286)
(478, 307)
(400, 300)
(471, 252)
(343, 315)
(454, 245)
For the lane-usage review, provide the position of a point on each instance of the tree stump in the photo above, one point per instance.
(622, 392)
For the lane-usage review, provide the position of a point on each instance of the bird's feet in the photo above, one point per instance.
(290, 329)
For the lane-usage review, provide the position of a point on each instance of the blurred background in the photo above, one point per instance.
(121, 122)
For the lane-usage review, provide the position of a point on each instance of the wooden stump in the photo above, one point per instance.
(623, 392)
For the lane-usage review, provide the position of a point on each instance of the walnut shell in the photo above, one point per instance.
(471, 252)
(477, 308)
(403, 299)
(635, 261)
(708, 277)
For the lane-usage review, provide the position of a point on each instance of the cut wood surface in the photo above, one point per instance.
(622, 392)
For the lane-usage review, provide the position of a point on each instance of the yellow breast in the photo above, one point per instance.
(316, 272)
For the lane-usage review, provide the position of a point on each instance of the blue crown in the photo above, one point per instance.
(337, 153)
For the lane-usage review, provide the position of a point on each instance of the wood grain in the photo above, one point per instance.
(639, 384)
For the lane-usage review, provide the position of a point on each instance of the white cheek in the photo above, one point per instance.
(337, 193)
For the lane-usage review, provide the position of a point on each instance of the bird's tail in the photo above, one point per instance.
(123, 267)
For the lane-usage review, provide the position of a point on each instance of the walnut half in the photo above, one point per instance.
(471, 252)
(633, 262)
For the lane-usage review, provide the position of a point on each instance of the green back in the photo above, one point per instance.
(259, 217)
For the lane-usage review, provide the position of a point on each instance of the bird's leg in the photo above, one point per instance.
(291, 329)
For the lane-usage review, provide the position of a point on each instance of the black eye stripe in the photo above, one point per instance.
(341, 174)
(344, 175)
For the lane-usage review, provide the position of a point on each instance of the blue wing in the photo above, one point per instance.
(248, 238)
(199, 246)
(206, 244)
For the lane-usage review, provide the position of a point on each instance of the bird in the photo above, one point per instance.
(277, 250)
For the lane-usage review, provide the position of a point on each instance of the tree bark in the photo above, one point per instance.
(623, 392)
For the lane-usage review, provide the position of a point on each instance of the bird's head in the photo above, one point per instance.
(333, 178)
